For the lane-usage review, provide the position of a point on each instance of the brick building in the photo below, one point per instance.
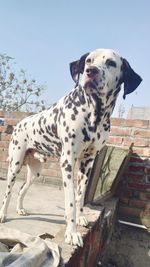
(141, 113)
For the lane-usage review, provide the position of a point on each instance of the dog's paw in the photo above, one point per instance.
(2, 217)
(73, 239)
(82, 221)
(22, 212)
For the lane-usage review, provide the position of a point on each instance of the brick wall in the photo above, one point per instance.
(133, 191)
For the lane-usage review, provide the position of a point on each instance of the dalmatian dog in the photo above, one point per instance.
(74, 129)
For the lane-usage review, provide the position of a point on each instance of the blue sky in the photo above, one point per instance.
(44, 36)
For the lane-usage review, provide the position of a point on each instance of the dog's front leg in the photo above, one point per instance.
(85, 167)
(71, 235)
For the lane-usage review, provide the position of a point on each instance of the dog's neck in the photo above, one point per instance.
(102, 104)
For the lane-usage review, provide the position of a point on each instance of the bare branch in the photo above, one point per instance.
(17, 92)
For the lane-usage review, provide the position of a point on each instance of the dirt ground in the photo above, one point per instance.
(129, 247)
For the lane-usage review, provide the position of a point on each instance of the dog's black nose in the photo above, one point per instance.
(92, 71)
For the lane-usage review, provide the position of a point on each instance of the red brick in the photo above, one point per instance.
(139, 186)
(141, 142)
(120, 131)
(115, 140)
(55, 165)
(136, 159)
(124, 200)
(135, 178)
(5, 163)
(138, 203)
(12, 122)
(3, 157)
(5, 137)
(148, 195)
(142, 133)
(127, 141)
(17, 115)
(14, 114)
(136, 123)
(133, 168)
(52, 165)
(2, 129)
(59, 173)
(123, 192)
(144, 152)
(53, 159)
(4, 144)
(130, 211)
(117, 121)
(49, 172)
(129, 122)
(46, 165)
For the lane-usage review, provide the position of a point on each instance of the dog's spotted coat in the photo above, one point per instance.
(74, 129)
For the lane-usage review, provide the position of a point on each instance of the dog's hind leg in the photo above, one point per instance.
(15, 165)
(34, 167)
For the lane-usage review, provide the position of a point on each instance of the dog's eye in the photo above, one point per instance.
(88, 60)
(111, 63)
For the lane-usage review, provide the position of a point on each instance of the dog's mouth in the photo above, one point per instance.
(90, 83)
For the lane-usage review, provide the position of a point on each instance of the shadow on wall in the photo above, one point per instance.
(134, 191)
(129, 247)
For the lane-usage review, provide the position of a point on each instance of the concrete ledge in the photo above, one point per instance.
(45, 206)
(95, 237)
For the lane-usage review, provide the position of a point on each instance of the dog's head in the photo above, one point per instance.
(104, 70)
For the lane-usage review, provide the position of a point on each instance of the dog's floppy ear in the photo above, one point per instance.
(130, 78)
(77, 67)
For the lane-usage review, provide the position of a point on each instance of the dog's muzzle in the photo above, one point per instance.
(91, 77)
(92, 71)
